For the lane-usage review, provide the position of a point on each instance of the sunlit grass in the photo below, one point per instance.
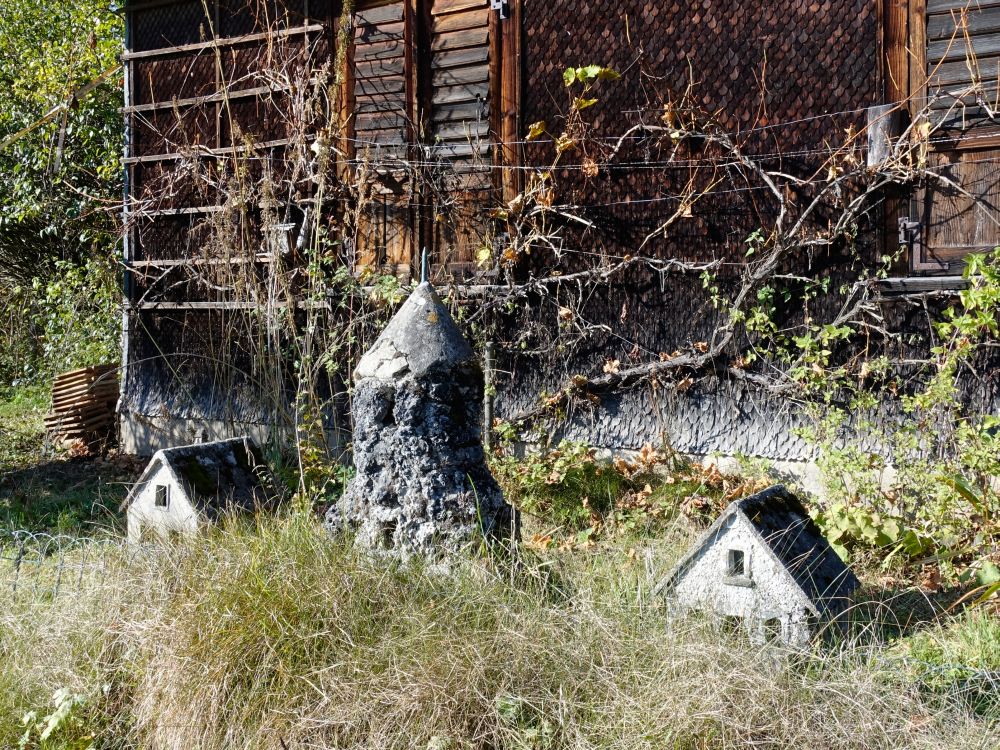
(279, 636)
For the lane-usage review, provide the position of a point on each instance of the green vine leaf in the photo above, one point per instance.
(536, 130)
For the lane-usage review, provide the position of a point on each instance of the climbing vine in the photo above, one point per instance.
(793, 308)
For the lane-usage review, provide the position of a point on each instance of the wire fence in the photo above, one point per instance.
(42, 566)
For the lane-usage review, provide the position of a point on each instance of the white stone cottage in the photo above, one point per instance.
(184, 488)
(763, 566)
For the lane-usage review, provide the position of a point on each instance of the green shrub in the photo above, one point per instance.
(565, 485)
(575, 495)
(927, 487)
(59, 323)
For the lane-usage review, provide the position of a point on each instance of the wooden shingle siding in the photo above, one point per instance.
(168, 26)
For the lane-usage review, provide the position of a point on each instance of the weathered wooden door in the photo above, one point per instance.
(959, 211)
(459, 120)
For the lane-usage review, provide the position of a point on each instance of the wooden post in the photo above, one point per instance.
(896, 16)
(488, 395)
(917, 53)
(343, 51)
(510, 101)
(896, 90)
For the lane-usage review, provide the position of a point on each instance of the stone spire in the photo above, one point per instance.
(420, 337)
(422, 485)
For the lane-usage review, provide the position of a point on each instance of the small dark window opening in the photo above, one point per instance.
(162, 496)
(772, 629)
(736, 563)
(388, 533)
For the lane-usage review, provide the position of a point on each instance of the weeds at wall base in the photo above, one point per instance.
(578, 498)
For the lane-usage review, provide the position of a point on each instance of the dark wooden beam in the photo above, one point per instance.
(895, 67)
(917, 50)
(513, 90)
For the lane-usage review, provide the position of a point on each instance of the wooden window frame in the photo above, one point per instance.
(902, 69)
(505, 97)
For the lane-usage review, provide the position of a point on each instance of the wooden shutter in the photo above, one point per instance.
(380, 97)
(962, 55)
(381, 127)
(459, 124)
(959, 43)
(460, 87)
(953, 224)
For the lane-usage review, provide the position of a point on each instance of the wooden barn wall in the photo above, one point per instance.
(194, 354)
(788, 76)
(770, 71)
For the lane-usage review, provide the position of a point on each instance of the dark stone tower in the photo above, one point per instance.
(422, 484)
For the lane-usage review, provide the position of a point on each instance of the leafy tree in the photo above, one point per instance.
(60, 184)
(60, 131)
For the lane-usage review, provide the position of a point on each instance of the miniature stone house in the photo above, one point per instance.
(765, 567)
(185, 488)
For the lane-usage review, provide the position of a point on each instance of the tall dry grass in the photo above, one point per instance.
(278, 637)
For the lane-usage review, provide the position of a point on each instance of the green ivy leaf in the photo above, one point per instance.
(989, 573)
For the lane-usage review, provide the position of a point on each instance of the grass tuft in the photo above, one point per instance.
(278, 636)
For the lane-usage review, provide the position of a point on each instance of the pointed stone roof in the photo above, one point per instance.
(422, 336)
(786, 531)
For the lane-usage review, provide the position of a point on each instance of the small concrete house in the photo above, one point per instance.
(765, 567)
(187, 487)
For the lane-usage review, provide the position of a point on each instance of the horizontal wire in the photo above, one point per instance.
(641, 201)
(636, 165)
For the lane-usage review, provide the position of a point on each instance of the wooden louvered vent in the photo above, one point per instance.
(380, 100)
(460, 126)
(963, 60)
(419, 105)
(382, 129)
(460, 47)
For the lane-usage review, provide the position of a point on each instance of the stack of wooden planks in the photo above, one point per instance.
(83, 405)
